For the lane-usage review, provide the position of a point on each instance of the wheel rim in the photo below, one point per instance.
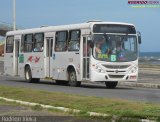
(72, 77)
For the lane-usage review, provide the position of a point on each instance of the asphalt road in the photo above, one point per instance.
(98, 90)
(1, 67)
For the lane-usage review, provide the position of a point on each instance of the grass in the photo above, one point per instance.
(118, 107)
(51, 112)
(37, 108)
(2, 103)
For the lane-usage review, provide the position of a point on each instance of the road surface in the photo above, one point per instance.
(98, 90)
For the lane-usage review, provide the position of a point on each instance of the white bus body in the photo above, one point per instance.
(68, 53)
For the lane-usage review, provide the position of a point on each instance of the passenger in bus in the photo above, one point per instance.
(98, 48)
(119, 46)
(58, 48)
(61, 47)
(102, 48)
(35, 49)
(120, 51)
(77, 46)
(42, 48)
(38, 48)
(74, 45)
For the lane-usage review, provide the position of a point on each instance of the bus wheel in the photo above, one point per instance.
(73, 79)
(36, 80)
(61, 82)
(28, 75)
(111, 84)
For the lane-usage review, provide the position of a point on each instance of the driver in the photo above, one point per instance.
(102, 47)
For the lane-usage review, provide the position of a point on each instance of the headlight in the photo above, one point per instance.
(99, 69)
(133, 70)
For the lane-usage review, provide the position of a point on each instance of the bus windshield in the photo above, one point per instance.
(115, 48)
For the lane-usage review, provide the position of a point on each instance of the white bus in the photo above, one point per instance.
(94, 51)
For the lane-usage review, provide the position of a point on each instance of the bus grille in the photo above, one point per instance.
(116, 76)
(116, 66)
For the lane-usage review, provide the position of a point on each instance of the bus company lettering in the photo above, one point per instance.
(143, 2)
(33, 59)
(137, 2)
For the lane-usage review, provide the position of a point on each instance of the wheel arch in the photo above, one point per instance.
(69, 68)
(27, 65)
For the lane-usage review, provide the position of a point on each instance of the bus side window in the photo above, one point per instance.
(9, 44)
(61, 41)
(28, 43)
(38, 42)
(74, 40)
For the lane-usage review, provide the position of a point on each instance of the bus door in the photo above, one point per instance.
(86, 57)
(16, 55)
(8, 55)
(48, 56)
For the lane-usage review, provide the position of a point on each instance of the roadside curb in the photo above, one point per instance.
(95, 114)
(142, 85)
(52, 107)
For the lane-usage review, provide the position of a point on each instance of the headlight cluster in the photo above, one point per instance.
(99, 69)
(133, 70)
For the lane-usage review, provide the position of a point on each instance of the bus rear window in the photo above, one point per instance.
(9, 44)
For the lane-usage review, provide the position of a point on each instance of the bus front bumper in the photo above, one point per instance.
(99, 77)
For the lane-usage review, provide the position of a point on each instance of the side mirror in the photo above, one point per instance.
(139, 37)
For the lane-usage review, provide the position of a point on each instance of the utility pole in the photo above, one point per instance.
(14, 15)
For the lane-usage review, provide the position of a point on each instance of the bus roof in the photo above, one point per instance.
(63, 27)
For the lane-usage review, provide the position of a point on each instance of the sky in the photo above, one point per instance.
(35, 13)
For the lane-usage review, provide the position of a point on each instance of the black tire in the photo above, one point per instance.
(73, 79)
(61, 82)
(111, 84)
(36, 80)
(28, 75)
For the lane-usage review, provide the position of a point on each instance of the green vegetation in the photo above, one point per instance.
(118, 107)
(2, 103)
(38, 110)
(37, 107)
